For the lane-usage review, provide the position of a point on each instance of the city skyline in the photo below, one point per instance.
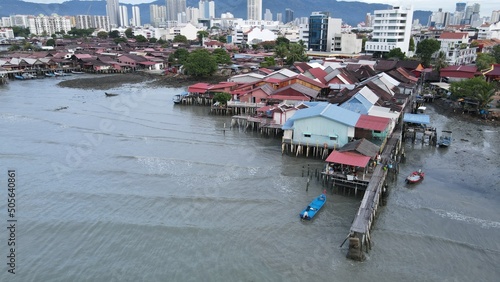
(487, 6)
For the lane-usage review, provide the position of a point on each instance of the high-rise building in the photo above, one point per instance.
(368, 20)
(495, 16)
(391, 29)
(254, 10)
(158, 14)
(207, 9)
(460, 7)
(289, 15)
(192, 15)
(49, 24)
(174, 7)
(322, 30)
(124, 16)
(88, 21)
(113, 12)
(136, 16)
(279, 17)
(268, 16)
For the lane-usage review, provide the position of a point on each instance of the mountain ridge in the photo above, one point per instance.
(350, 12)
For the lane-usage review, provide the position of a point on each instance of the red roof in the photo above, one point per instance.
(372, 122)
(453, 35)
(348, 158)
(472, 69)
(495, 71)
(198, 88)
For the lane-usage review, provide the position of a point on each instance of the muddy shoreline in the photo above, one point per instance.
(109, 81)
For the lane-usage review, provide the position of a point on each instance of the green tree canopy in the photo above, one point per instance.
(395, 53)
(129, 33)
(201, 63)
(75, 32)
(180, 56)
(179, 38)
(296, 53)
(268, 45)
(201, 34)
(426, 48)
(222, 97)
(282, 40)
(411, 47)
(114, 34)
(268, 62)
(21, 31)
(440, 61)
(102, 34)
(475, 88)
(221, 56)
(281, 52)
(120, 40)
(153, 40)
(496, 53)
(484, 61)
(222, 39)
(140, 38)
(50, 42)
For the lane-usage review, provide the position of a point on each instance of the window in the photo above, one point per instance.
(333, 137)
(307, 134)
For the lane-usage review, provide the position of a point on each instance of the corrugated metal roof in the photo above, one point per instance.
(361, 146)
(372, 122)
(417, 118)
(348, 158)
(358, 104)
(329, 111)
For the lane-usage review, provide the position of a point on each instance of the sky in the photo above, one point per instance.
(487, 6)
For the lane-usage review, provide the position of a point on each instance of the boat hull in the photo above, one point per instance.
(313, 208)
(415, 177)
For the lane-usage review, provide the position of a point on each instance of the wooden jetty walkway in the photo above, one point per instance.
(359, 234)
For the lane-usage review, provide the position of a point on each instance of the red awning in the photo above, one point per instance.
(348, 158)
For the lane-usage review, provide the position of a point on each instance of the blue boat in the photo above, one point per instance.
(310, 211)
(179, 97)
(445, 139)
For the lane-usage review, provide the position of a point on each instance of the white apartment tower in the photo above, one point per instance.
(391, 29)
(174, 8)
(124, 16)
(113, 12)
(136, 16)
(158, 14)
(207, 9)
(254, 10)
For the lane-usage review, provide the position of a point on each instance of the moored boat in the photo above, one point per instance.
(177, 99)
(312, 209)
(110, 94)
(445, 138)
(415, 177)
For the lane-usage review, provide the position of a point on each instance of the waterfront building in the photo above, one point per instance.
(113, 12)
(391, 29)
(254, 10)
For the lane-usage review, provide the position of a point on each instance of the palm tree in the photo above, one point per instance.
(297, 53)
(440, 61)
(281, 52)
(484, 98)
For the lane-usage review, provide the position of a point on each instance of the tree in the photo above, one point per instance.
(14, 47)
(473, 88)
(181, 55)
(296, 53)
(496, 53)
(120, 40)
(222, 39)
(50, 42)
(153, 40)
(114, 34)
(221, 56)
(201, 34)
(222, 98)
(281, 51)
(102, 34)
(268, 62)
(411, 47)
(426, 48)
(20, 31)
(179, 38)
(129, 33)
(395, 53)
(440, 61)
(282, 40)
(201, 63)
(140, 38)
(268, 45)
(484, 61)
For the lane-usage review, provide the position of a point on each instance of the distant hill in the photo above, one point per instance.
(350, 12)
